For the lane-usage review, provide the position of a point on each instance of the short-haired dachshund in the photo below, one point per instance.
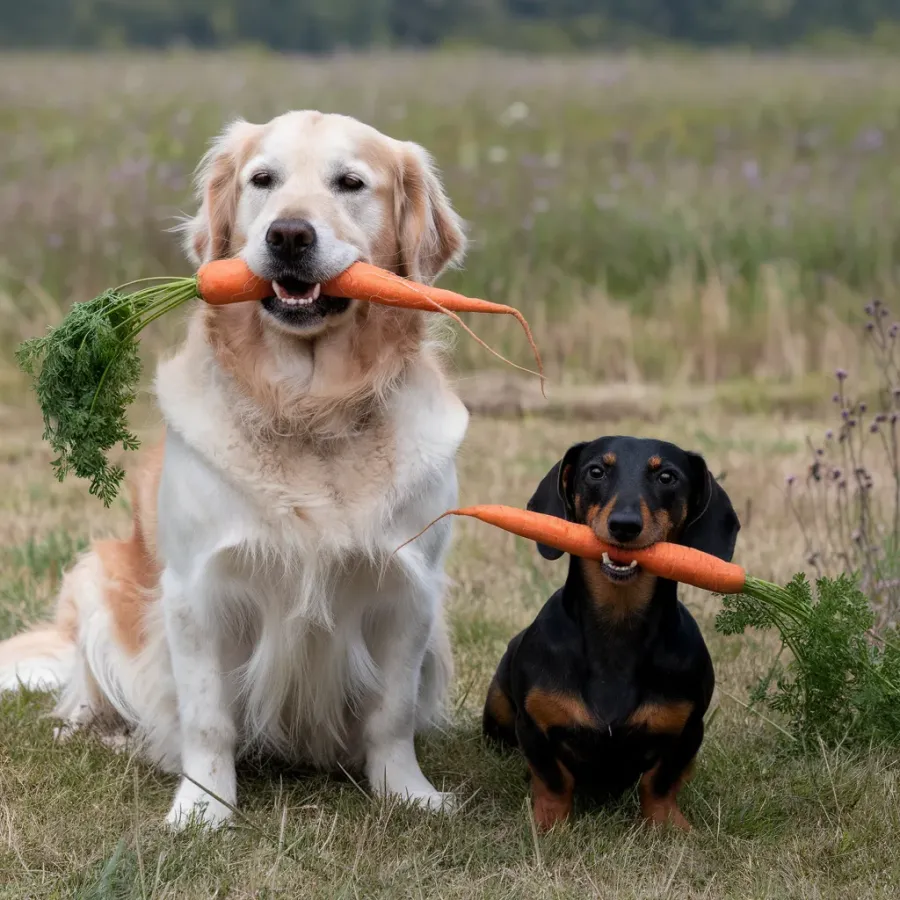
(610, 683)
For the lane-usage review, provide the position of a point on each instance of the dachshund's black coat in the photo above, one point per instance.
(611, 681)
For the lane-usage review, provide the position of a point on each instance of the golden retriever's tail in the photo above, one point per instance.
(42, 658)
(39, 660)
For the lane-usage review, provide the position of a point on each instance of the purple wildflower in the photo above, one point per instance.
(870, 139)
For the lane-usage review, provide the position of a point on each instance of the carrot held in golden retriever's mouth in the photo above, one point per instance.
(86, 370)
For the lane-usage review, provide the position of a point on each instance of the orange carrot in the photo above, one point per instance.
(231, 281)
(666, 560)
(363, 281)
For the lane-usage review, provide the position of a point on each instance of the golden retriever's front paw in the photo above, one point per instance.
(193, 806)
(433, 801)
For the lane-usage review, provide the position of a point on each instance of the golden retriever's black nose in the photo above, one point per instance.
(289, 239)
(625, 526)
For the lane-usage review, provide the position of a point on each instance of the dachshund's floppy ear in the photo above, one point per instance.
(712, 524)
(554, 495)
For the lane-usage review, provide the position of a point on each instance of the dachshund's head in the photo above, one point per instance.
(634, 492)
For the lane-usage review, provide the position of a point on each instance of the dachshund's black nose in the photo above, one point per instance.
(289, 239)
(625, 526)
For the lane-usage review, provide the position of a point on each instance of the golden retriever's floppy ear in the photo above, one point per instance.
(430, 233)
(209, 234)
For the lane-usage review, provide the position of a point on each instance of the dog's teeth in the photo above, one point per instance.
(289, 300)
(619, 567)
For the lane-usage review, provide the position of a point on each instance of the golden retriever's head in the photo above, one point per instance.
(305, 195)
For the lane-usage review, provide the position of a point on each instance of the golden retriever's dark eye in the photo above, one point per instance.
(667, 478)
(262, 180)
(596, 473)
(350, 183)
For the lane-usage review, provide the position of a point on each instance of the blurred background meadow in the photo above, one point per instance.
(659, 218)
(693, 202)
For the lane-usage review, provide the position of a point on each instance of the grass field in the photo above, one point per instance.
(712, 224)
(79, 821)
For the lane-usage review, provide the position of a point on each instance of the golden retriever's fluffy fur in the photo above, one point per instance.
(255, 605)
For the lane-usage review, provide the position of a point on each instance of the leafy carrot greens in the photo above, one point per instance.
(86, 372)
(843, 683)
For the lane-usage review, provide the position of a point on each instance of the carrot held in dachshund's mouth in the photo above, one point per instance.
(665, 560)
(86, 370)
(672, 561)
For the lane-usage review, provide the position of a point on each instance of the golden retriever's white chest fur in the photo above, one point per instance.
(340, 492)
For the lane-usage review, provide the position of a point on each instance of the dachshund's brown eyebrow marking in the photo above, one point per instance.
(609, 458)
(654, 463)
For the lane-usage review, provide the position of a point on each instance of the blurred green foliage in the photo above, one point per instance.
(326, 25)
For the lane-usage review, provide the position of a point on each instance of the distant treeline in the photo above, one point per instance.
(327, 25)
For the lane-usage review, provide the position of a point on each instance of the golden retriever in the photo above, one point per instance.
(254, 606)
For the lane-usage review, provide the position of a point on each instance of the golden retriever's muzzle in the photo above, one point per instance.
(295, 254)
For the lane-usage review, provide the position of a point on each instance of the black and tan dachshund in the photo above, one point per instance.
(611, 681)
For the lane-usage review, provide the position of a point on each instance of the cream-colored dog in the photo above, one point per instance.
(254, 605)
